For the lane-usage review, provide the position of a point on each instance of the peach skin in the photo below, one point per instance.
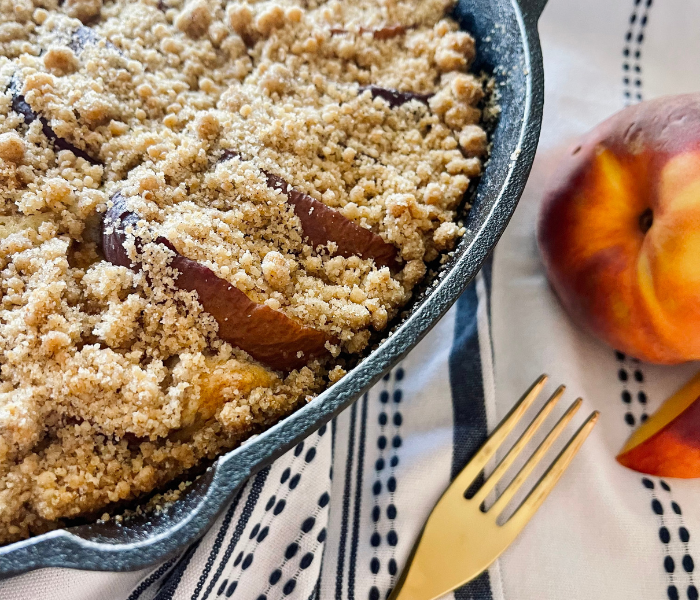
(668, 443)
(619, 230)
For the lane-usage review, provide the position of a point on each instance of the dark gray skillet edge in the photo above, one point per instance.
(508, 47)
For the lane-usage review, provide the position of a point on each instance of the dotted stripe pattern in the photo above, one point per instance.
(389, 442)
(674, 536)
(254, 489)
(216, 547)
(634, 398)
(274, 506)
(307, 528)
(673, 533)
(292, 551)
(632, 51)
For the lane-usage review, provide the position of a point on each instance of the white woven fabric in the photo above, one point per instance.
(598, 535)
(335, 519)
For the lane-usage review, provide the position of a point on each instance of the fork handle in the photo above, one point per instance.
(398, 592)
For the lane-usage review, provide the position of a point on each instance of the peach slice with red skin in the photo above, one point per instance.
(668, 443)
(322, 224)
(619, 230)
(81, 38)
(394, 97)
(20, 106)
(269, 336)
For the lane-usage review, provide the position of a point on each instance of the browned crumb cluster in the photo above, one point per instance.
(112, 379)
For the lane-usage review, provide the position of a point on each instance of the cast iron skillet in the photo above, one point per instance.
(507, 47)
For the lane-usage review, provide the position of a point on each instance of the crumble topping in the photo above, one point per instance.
(114, 377)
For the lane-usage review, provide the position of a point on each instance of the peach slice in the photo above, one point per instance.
(21, 107)
(218, 383)
(81, 38)
(668, 443)
(10, 224)
(395, 97)
(269, 336)
(322, 224)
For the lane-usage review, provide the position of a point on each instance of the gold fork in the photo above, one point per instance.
(461, 539)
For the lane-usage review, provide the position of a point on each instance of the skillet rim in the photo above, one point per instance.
(73, 548)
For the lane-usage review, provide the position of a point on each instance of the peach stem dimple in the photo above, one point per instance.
(646, 219)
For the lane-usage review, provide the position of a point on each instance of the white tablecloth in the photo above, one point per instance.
(605, 532)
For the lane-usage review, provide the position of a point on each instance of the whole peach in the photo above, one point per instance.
(619, 230)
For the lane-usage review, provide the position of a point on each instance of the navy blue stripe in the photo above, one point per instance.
(469, 412)
(466, 383)
(171, 583)
(223, 530)
(358, 500)
(346, 505)
(251, 501)
(152, 578)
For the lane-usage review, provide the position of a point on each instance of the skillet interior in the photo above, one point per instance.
(508, 50)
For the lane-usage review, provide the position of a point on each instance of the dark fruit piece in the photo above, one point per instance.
(395, 97)
(228, 155)
(267, 335)
(21, 107)
(93, 230)
(383, 33)
(116, 220)
(322, 224)
(86, 36)
(83, 36)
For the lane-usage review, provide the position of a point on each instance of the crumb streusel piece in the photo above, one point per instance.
(174, 171)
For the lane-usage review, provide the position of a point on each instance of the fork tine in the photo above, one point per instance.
(518, 447)
(478, 462)
(459, 541)
(547, 482)
(533, 461)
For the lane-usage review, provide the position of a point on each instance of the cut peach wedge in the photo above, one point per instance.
(668, 443)
(268, 335)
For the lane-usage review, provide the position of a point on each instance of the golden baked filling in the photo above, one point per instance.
(204, 204)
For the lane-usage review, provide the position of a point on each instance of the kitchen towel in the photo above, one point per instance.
(336, 517)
